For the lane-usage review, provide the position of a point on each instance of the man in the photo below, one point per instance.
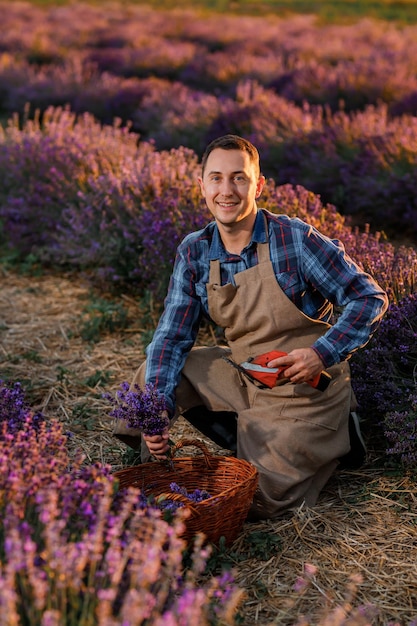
(271, 283)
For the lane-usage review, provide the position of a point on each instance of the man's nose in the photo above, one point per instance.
(227, 187)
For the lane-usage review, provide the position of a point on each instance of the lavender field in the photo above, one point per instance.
(105, 111)
(331, 107)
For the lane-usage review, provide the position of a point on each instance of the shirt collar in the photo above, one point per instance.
(217, 249)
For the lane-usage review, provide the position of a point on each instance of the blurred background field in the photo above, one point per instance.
(331, 106)
(327, 10)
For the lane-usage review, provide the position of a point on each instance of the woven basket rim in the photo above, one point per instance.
(252, 471)
(204, 459)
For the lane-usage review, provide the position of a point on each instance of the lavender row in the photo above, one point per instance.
(385, 384)
(78, 195)
(331, 107)
(74, 550)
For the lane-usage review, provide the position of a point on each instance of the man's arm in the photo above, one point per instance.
(329, 271)
(176, 331)
(361, 300)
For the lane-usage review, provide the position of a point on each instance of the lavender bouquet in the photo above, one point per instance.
(140, 408)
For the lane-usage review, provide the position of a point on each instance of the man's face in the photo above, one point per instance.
(230, 186)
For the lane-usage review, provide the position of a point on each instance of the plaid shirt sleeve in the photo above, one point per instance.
(177, 328)
(329, 278)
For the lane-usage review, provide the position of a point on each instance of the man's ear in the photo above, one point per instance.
(200, 182)
(260, 185)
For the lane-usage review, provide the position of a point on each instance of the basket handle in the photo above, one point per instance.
(193, 442)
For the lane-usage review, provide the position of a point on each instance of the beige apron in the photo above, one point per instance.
(293, 434)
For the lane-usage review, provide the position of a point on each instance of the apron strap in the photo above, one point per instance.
(263, 248)
(214, 275)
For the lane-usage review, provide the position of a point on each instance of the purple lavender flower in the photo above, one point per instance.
(384, 381)
(78, 546)
(14, 409)
(401, 431)
(169, 507)
(198, 495)
(140, 408)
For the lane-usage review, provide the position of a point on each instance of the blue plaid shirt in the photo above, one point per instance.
(313, 271)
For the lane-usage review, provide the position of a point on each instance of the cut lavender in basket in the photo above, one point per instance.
(169, 506)
(198, 495)
(140, 408)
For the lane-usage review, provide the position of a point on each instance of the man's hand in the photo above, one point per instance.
(158, 445)
(301, 365)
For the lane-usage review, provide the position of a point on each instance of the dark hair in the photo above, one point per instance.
(232, 142)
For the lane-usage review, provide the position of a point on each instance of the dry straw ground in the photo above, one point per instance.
(365, 524)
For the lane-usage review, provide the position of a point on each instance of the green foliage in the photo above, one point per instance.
(25, 264)
(258, 544)
(62, 374)
(130, 457)
(99, 377)
(262, 545)
(33, 356)
(222, 558)
(101, 317)
(83, 415)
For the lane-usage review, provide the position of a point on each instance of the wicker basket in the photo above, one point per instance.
(231, 483)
